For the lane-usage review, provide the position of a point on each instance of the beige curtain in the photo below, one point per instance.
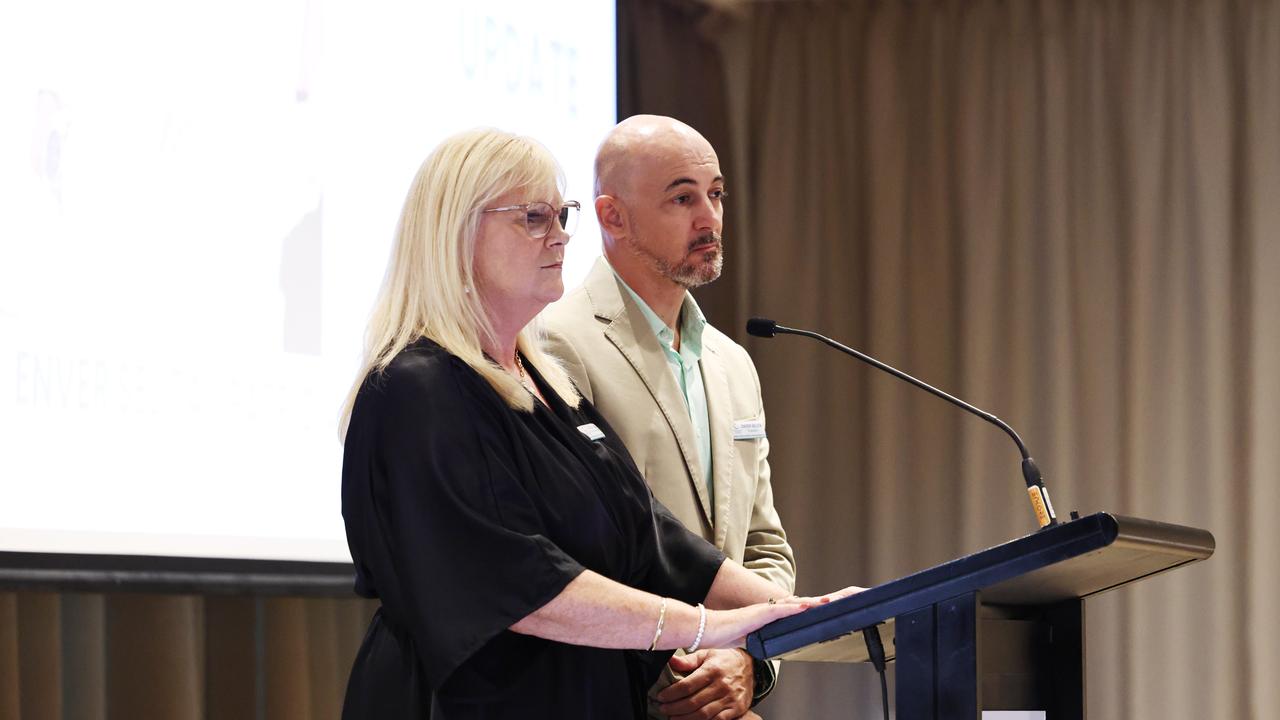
(101, 657)
(1068, 212)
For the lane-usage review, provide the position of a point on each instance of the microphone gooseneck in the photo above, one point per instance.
(1039, 494)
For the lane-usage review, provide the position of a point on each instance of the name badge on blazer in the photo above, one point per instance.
(748, 429)
(591, 432)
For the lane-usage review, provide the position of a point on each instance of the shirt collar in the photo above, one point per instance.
(692, 321)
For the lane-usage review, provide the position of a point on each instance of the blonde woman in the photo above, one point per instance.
(523, 567)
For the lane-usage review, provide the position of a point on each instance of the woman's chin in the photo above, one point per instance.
(553, 292)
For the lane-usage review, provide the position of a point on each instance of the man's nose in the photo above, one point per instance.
(710, 215)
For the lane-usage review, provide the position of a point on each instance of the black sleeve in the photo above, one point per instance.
(683, 564)
(437, 514)
(677, 562)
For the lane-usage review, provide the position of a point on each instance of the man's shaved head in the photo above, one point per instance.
(641, 140)
(659, 196)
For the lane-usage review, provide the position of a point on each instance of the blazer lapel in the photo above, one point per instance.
(627, 329)
(715, 379)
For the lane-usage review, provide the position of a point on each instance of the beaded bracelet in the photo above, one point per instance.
(702, 625)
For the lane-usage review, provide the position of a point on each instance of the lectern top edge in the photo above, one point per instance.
(1073, 560)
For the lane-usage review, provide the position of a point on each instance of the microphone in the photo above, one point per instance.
(1039, 494)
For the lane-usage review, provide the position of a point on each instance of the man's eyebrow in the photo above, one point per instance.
(690, 181)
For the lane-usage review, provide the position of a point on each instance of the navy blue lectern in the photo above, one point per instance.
(1002, 629)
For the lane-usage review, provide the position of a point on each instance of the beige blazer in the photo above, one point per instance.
(611, 353)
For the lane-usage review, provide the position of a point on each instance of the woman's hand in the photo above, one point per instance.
(729, 628)
(846, 592)
(829, 597)
(839, 594)
(823, 599)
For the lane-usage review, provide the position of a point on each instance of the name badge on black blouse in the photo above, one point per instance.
(591, 432)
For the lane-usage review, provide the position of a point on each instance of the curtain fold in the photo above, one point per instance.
(121, 655)
(1064, 212)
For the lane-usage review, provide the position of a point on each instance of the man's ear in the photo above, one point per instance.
(611, 215)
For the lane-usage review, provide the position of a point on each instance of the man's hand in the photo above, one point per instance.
(717, 684)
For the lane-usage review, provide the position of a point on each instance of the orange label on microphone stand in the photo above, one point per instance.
(1037, 504)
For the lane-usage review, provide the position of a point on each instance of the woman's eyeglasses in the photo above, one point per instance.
(538, 217)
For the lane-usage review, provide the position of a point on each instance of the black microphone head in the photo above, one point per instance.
(761, 327)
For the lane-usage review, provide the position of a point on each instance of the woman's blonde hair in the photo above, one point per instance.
(429, 287)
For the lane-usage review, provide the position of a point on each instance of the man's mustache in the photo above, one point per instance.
(705, 238)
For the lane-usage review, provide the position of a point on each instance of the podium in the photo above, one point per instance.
(1001, 629)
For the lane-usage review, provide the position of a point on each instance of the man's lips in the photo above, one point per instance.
(713, 245)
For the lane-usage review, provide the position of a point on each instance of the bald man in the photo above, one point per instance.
(683, 397)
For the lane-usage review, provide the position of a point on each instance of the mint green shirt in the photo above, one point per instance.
(684, 365)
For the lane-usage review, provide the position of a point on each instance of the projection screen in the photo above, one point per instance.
(197, 202)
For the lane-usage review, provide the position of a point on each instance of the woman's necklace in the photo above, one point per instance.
(521, 374)
(520, 369)
(527, 381)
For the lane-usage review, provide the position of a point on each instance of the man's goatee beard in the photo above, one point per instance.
(685, 274)
(691, 276)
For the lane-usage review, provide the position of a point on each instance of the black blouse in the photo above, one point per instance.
(463, 516)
